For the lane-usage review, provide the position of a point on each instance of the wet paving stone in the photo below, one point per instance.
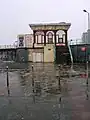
(49, 100)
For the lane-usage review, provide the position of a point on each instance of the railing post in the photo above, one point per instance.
(32, 79)
(7, 77)
(87, 73)
(59, 82)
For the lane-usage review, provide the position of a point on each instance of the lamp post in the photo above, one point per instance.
(71, 53)
(88, 18)
(86, 44)
(76, 52)
(88, 29)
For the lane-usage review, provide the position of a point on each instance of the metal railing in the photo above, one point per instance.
(7, 46)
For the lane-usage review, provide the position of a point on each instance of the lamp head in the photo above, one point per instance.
(84, 11)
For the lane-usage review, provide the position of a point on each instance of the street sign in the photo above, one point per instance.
(83, 49)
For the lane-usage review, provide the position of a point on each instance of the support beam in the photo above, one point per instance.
(44, 38)
(55, 37)
(34, 38)
(66, 37)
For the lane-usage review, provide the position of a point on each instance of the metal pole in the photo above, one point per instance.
(77, 51)
(86, 55)
(87, 37)
(87, 74)
(8, 92)
(88, 20)
(7, 77)
(59, 82)
(87, 91)
(88, 29)
(70, 46)
(32, 79)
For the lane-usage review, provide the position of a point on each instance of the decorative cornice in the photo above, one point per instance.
(51, 26)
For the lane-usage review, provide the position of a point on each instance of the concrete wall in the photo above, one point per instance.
(34, 54)
(38, 45)
(38, 50)
(22, 55)
(30, 55)
(49, 53)
(38, 55)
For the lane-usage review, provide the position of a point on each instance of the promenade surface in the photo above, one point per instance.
(49, 101)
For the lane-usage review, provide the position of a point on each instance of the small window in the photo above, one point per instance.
(40, 39)
(50, 38)
(60, 40)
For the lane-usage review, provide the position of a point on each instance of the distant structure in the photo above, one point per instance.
(25, 40)
(81, 48)
(75, 42)
(86, 37)
(89, 36)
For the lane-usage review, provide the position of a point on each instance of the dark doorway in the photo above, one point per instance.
(62, 55)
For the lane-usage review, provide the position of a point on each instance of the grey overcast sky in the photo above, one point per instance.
(15, 15)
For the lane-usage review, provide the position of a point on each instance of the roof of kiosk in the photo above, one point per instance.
(51, 26)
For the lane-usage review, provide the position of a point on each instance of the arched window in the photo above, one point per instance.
(49, 37)
(39, 37)
(60, 36)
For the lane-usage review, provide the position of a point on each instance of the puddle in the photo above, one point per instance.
(51, 98)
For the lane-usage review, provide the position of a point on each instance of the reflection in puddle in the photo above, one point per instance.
(87, 92)
(8, 89)
(60, 97)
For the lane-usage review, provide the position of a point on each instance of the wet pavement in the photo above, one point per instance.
(51, 98)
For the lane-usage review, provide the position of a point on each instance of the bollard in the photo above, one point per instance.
(33, 98)
(60, 99)
(8, 92)
(87, 73)
(87, 96)
(32, 68)
(7, 77)
(59, 83)
(32, 79)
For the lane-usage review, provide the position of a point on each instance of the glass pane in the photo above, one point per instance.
(60, 40)
(50, 40)
(39, 38)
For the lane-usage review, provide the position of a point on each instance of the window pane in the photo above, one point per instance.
(63, 38)
(50, 40)
(39, 38)
(50, 37)
(60, 40)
